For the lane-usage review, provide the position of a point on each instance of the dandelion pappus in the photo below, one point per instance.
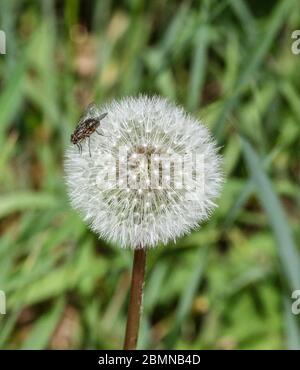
(87, 125)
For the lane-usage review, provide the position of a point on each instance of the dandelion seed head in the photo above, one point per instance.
(143, 183)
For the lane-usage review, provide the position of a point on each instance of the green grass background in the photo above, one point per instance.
(227, 284)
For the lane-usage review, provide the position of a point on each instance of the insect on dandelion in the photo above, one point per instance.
(153, 175)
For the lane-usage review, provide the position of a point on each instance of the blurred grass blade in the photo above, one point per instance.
(291, 326)
(292, 97)
(175, 28)
(7, 326)
(243, 13)
(188, 295)
(198, 68)
(288, 253)
(11, 98)
(43, 329)
(151, 297)
(253, 60)
(245, 193)
(20, 201)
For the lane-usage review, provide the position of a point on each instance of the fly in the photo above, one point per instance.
(86, 127)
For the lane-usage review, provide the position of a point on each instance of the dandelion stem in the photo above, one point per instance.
(135, 300)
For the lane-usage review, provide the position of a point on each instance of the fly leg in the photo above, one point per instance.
(99, 133)
(90, 146)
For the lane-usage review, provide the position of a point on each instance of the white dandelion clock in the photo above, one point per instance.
(150, 175)
(142, 172)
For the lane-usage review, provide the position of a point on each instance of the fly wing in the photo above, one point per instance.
(90, 118)
(90, 112)
(102, 116)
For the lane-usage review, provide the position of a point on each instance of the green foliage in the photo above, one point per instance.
(226, 285)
